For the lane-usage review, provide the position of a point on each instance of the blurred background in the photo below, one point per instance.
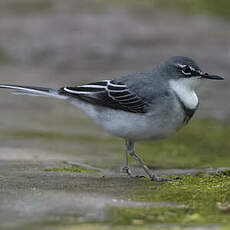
(54, 43)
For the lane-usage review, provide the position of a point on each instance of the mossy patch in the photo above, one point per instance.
(198, 194)
(4, 56)
(72, 169)
(219, 8)
(145, 216)
(27, 6)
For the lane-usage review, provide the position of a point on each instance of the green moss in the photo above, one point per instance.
(27, 6)
(73, 169)
(4, 56)
(226, 227)
(146, 215)
(220, 8)
(198, 195)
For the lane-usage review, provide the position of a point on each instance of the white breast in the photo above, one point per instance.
(184, 88)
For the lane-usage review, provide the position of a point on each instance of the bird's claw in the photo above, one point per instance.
(127, 170)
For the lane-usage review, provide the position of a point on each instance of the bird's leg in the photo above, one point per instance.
(126, 168)
(131, 152)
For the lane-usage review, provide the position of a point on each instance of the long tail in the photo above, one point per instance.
(33, 91)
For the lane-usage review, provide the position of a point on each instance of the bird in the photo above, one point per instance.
(136, 107)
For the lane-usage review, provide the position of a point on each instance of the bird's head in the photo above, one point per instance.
(184, 69)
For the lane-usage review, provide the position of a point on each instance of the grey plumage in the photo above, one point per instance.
(140, 106)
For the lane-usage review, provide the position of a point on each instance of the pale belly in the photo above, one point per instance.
(133, 126)
(138, 127)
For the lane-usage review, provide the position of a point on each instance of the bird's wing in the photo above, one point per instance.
(109, 94)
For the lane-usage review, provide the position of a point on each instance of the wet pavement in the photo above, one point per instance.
(32, 196)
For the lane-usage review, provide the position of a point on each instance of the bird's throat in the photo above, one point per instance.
(185, 93)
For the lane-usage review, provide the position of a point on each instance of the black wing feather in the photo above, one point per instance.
(108, 94)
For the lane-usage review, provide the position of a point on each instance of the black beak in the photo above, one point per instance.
(210, 76)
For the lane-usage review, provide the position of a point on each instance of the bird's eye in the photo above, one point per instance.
(186, 70)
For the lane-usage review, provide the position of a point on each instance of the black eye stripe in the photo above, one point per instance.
(189, 71)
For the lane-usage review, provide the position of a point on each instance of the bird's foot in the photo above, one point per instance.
(152, 177)
(127, 170)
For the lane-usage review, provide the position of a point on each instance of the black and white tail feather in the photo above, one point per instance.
(32, 91)
(104, 93)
